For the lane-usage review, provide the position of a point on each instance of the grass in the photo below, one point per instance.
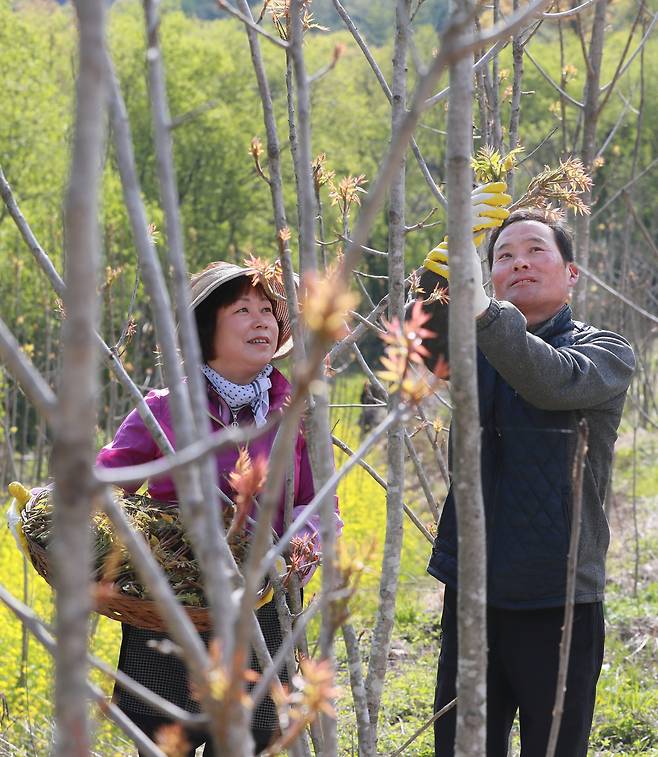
(626, 717)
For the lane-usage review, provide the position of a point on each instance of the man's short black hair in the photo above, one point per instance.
(205, 313)
(561, 231)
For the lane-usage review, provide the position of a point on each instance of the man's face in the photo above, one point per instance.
(529, 271)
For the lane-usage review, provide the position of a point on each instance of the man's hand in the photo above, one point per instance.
(488, 203)
(437, 261)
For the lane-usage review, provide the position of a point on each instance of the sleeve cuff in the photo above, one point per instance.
(489, 315)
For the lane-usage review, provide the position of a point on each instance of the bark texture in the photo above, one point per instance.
(75, 415)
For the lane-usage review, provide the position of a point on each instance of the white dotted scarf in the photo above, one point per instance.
(236, 396)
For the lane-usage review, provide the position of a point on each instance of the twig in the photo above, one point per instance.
(211, 443)
(315, 503)
(420, 472)
(39, 630)
(363, 248)
(178, 622)
(477, 66)
(374, 276)
(23, 370)
(424, 727)
(440, 457)
(369, 469)
(44, 262)
(638, 49)
(389, 96)
(339, 349)
(192, 114)
(572, 562)
(287, 645)
(399, 143)
(248, 22)
(423, 223)
(563, 93)
(626, 186)
(561, 15)
(617, 294)
(124, 336)
(653, 248)
(371, 326)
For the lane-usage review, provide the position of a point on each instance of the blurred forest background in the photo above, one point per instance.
(225, 206)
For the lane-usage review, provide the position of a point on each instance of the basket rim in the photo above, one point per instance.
(139, 612)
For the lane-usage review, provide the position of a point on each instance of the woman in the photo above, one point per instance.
(241, 327)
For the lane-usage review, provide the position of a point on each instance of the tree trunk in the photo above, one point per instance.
(588, 149)
(471, 610)
(75, 420)
(381, 638)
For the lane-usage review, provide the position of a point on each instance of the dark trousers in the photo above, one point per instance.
(522, 675)
(150, 724)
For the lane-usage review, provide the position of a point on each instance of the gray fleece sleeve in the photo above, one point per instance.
(589, 373)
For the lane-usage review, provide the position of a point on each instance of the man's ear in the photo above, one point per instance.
(573, 274)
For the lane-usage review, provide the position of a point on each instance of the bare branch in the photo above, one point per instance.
(470, 736)
(41, 632)
(185, 118)
(400, 750)
(446, 55)
(561, 15)
(570, 591)
(623, 189)
(380, 480)
(44, 262)
(339, 349)
(613, 131)
(312, 508)
(251, 24)
(287, 645)
(178, 622)
(621, 71)
(389, 96)
(617, 294)
(23, 370)
(477, 66)
(134, 474)
(26, 232)
(562, 92)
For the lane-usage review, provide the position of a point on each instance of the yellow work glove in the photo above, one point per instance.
(488, 203)
(21, 497)
(437, 261)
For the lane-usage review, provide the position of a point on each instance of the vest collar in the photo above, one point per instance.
(554, 325)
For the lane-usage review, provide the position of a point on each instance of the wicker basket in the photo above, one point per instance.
(141, 613)
(115, 604)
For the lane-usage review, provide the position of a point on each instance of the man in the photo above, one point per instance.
(539, 374)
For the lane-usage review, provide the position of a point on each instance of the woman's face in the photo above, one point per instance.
(246, 336)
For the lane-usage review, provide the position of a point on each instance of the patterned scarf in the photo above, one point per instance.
(237, 396)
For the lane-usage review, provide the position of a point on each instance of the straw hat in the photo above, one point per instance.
(219, 273)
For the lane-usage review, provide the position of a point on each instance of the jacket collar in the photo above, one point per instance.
(280, 390)
(554, 325)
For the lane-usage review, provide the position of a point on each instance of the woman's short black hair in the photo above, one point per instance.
(205, 313)
(561, 231)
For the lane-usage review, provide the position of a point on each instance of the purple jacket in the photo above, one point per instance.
(133, 444)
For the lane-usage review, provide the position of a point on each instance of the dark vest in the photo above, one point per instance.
(526, 486)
